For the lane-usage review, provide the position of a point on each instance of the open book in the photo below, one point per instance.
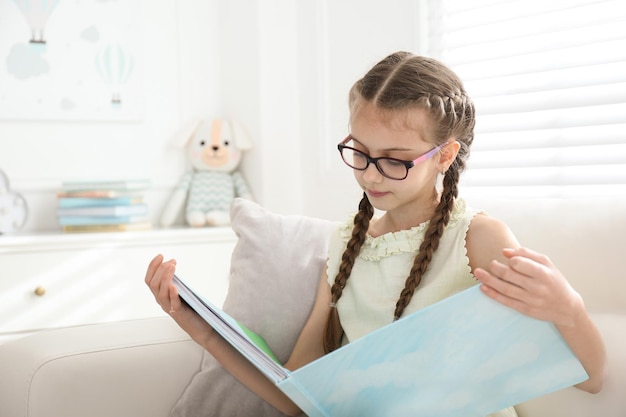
(465, 356)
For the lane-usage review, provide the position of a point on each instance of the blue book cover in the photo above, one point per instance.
(117, 210)
(70, 202)
(465, 356)
(99, 220)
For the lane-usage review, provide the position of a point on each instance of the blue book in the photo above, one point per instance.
(110, 211)
(465, 356)
(99, 220)
(67, 202)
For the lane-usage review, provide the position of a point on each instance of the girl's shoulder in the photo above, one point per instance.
(485, 239)
(484, 227)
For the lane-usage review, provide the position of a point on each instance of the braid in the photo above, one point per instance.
(333, 332)
(430, 244)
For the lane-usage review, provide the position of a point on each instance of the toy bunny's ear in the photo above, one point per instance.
(241, 136)
(180, 138)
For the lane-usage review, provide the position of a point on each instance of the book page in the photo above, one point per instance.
(237, 335)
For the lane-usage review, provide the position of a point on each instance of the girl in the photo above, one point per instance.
(411, 129)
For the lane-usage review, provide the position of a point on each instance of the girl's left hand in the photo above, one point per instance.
(530, 283)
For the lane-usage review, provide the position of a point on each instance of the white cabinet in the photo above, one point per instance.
(54, 280)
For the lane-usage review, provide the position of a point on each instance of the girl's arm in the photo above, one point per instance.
(159, 278)
(529, 282)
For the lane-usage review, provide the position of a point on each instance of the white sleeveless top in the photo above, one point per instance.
(369, 299)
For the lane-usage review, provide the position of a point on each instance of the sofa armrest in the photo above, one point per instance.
(130, 368)
(572, 402)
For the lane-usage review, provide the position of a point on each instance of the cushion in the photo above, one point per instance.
(275, 269)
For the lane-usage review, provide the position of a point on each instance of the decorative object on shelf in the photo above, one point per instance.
(103, 206)
(13, 208)
(214, 149)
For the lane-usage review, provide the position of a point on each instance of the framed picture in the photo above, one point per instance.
(70, 60)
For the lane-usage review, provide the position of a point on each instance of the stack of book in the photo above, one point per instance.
(103, 206)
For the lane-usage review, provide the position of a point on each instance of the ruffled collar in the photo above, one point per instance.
(403, 241)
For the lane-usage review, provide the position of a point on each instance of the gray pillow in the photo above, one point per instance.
(275, 269)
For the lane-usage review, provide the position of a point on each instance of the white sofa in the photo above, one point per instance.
(140, 368)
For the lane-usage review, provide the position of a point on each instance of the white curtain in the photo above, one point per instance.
(548, 78)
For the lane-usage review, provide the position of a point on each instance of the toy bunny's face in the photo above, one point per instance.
(212, 147)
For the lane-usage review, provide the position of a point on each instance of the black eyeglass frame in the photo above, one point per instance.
(408, 164)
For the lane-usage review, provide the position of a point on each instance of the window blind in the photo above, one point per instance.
(548, 79)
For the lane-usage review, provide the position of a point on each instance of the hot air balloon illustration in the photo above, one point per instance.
(115, 65)
(36, 13)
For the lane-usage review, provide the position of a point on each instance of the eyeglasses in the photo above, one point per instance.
(392, 168)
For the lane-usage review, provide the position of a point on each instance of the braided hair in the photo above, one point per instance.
(403, 82)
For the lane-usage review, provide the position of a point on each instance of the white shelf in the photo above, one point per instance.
(58, 241)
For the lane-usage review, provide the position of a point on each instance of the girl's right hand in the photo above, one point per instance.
(159, 279)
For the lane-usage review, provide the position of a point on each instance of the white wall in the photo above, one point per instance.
(259, 86)
(282, 68)
(339, 42)
(286, 71)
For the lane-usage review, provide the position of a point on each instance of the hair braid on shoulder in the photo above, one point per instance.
(429, 245)
(334, 332)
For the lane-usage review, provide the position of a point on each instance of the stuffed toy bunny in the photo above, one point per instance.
(214, 149)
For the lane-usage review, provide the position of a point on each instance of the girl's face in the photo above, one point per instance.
(402, 137)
